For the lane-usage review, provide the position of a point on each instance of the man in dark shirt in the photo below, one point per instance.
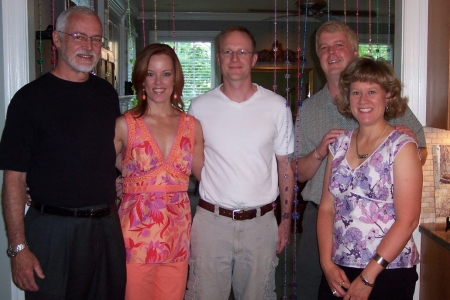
(58, 141)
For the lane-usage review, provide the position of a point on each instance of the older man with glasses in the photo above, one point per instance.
(58, 141)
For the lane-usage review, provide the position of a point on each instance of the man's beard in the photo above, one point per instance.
(71, 61)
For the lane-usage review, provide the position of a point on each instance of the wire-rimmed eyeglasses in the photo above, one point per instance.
(81, 38)
(239, 53)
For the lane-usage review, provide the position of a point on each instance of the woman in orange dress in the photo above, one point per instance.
(160, 146)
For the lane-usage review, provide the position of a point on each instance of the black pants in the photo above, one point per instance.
(81, 258)
(391, 284)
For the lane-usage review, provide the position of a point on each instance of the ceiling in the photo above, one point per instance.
(261, 6)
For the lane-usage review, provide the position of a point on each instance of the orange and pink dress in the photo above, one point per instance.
(155, 213)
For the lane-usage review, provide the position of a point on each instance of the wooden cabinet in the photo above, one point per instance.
(438, 92)
(434, 262)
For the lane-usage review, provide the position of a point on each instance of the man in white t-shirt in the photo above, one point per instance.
(248, 136)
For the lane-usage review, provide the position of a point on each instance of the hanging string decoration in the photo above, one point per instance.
(389, 32)
(285, 202)
(328, 10)
(155, 26)
(173, 25)
(345, 11)
(377, 50)
(143, 23)
(40, 60)
(53, 46)
(92, 5)
(370, 27)
(275, 48)
(301, 62)
(357, 19)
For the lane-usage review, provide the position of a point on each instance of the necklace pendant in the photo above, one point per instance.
(362, 156)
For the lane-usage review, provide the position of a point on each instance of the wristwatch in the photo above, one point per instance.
(13, 250)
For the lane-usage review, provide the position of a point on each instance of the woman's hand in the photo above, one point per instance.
(337, 280)
(358, 290)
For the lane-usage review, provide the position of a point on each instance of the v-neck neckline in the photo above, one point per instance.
(158, 148)
(369, 157)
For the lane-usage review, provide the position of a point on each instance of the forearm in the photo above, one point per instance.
(325, 223)
(13, 204)
(307, 166)
(286, 187)
(391, 246)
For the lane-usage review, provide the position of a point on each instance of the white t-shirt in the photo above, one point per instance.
(241, 141)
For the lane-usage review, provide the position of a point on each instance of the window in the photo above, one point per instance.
(376, 50)
(196, 53)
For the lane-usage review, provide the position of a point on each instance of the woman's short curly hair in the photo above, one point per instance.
(367, 69)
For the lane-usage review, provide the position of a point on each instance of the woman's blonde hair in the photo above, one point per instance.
(367, 69)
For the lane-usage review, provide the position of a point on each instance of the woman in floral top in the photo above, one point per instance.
(160, 146)
(364, 224)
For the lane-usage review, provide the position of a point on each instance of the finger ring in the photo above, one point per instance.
(334, 293)
(341, 283)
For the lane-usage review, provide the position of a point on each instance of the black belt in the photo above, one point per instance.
(236, 214)
(74, 212)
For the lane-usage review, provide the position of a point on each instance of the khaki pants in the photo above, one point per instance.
(226, 253)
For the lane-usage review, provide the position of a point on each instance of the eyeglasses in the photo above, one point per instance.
(81, 38)
(239, 53)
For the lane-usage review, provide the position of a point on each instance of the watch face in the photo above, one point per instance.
(10, 251)
(13, 250)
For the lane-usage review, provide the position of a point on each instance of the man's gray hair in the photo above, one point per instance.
(61, 22)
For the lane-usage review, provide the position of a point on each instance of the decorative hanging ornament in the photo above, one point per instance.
(143, 23)
(173, 24)
(40, 61)
(155, 26)
(370, 27)
(53, 46)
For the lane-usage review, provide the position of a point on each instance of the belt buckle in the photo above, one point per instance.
(236, 211)
(94, 212)
(91, 213)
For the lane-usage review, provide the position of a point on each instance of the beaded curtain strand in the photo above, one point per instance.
(54, 28)
(143, 23)
(377, 50)
(155, 27)
(389, 32)
(370, 27)
(275, 48)
(357, 19)
(345, 11)
(300, 82)
(173, 25)
(284, 202)
(40, 61)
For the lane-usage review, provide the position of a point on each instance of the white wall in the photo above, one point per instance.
(15, 58)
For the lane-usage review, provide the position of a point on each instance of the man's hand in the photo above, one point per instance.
(408, 131)
(328, 138)
(23, 266)
(283, 235)
(119, 187)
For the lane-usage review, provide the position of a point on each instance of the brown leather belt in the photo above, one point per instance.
(236, 214)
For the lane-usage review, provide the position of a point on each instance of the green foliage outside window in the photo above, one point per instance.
(195, 58)
(383, 51)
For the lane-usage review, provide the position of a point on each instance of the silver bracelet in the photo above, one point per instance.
(316, 155)
(380, 260)
(365, 281)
